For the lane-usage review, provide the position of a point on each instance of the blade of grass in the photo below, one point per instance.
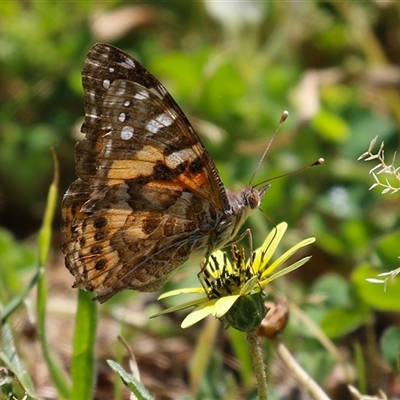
(57, 374)
(135, 386)
(11, 360)
(361, 368)
(118, 392)
(44, 239)
(83, 366)
(242, 354)
(19, 299)
(202, 356)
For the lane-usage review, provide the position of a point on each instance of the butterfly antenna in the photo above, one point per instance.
(284, 116)
(314, 164)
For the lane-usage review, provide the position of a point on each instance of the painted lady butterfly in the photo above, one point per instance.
(148, 196)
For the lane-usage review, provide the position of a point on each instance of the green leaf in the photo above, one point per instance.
(180, 73)
(331, 126)
(390, 345)
(339, 321)
(16, 259)
(12, 361)
(374, 294)
(135, 386)
(388, 249)
(335, 289)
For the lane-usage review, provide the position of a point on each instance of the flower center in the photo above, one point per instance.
(225, 280)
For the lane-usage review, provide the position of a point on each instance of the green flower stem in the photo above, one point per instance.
(302, 377)
(258, 364)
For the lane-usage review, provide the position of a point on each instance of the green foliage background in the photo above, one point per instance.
(233, 67)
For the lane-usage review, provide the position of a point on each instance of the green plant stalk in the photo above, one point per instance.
(83, 368)
(361, 368)
(57, 374)
(258, 364)
(44, 239)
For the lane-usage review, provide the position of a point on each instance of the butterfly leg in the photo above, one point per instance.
(203, 265)
(208, 275)
(247, 232)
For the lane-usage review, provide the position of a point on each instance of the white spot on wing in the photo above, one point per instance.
(141, 95)
(121, 89)
(162, 90)
(108, 148)
(159, 122)
(127, 103)
(111, 69)
(126, 133)
(177, 157)
(128, 63)
(121, 117)
(92, 116)
(157, 93)
(92, 95)
(164, 119)
(153, 126)
(106, 84)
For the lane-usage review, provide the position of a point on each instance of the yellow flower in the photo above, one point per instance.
(234, 292)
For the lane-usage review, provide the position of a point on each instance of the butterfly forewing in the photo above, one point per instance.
(125, 103)
(148, 196)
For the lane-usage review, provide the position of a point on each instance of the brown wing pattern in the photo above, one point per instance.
(148, 195)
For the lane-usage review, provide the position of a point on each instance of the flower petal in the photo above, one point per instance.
(249, 285)
(217, 262)
(285, 256)
(199, 313)
(284, 271)
(265, 252)
(181, 306)
(181, 291)
(223, 305)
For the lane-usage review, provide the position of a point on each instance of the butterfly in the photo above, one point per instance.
(148, 196)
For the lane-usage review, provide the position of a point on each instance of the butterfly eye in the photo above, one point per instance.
(253, 199)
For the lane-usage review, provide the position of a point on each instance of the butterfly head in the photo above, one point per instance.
(252, 196)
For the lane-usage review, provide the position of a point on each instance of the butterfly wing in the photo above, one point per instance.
(148, 194)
